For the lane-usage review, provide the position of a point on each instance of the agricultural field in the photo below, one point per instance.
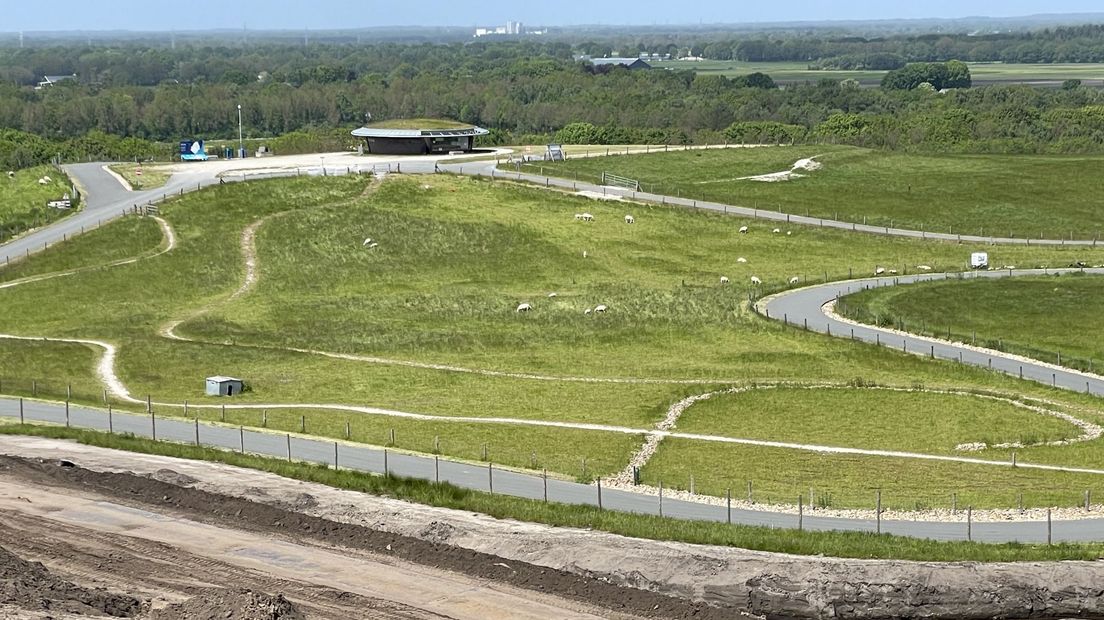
(983, 73)
(329, 329)
(990, 195)
(1045, 317)
(23, 199)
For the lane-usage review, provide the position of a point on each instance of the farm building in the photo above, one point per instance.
(628, 63)
(224, 386)
(408, 138)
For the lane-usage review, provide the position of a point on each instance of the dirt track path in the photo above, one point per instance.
(93, 540)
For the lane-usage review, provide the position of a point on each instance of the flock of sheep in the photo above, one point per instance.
(42, 181)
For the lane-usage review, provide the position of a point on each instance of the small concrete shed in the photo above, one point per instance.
(224, 386)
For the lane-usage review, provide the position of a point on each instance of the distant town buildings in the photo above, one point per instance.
(510, 29)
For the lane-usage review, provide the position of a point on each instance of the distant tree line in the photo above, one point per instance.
(123, 106)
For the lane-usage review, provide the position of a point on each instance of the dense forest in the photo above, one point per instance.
(132, 101)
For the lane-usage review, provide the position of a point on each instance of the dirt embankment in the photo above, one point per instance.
(29, 586)
(583, 565)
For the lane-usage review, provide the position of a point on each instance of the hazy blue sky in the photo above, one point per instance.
(320, 14)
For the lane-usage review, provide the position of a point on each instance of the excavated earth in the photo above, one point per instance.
(587, 574)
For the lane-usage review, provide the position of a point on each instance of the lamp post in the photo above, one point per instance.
(241, 142)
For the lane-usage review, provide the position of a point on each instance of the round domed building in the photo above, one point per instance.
(418, 137)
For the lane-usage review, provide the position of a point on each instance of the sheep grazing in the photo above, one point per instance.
(789, 233)
(776, 231)
(924, 267)
(1009, 267)
(47, 179)
(741, 260)
(578, 216)
(43, 182)
(756, 281)
(630, 219)
(724, 280)
(367, 241)
(587, 217)
(743, 230)
(552, 295)
(879, 271)
(600, 309)
(587, 312)
(373, 246)
(892, 272)
(11, 174)
(524, 308)
(795, 280)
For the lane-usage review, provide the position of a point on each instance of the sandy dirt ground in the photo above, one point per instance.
(730, 582)
(147, 538)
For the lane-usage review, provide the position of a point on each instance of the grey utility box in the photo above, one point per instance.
(224, 386)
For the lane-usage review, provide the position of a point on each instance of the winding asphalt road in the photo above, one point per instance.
(518, 484)
(806, 308)
(106, 199)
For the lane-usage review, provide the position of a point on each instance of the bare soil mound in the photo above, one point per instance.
(223, 604)
(29, 585)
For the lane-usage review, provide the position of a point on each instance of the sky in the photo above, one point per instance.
(167, 15)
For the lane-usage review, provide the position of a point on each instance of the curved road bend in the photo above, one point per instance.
(103, 199)
(489, 169)
(519, 484)
(806, 306)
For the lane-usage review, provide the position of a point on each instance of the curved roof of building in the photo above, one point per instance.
(379, 132)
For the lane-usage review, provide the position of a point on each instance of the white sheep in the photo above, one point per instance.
(724, 280)
(630, 219)
(43, 182)
(552, 295)
(789, 233)
(373, 246)
(777, 231)
(47, 179)
(743, 230)
(756, 281)
(588, 217)
(892, 272)
(367, 241)
(600, 309)
(924, 267)
(585, 254)
(587, 312)
(578, 216)
(741, 260)
(524, 308)
(795, 280)
(11, 174)
(879, 271)
(1009, 267)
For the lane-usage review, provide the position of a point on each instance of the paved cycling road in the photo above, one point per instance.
(517, 484)
(806, 307)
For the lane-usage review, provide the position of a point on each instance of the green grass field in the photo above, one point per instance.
(152, 175)
(1032, 196)
(1039, 317)
(455, 258)
(983, 73)
(23, 199)
(929, 423)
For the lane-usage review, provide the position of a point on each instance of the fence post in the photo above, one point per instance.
(34, 387)
(800, 513)
(436, 469)
(1050, 529)
(149, 404)
(335, 456)
(289, 446)
(1088, 500)
(223, 413)
(392, 437)
(241, 438)
(197, 432)
(386, 469)
(954, 503)
(544, 477)
(728, 504)
(69, 387)
(970, 523)
(490, 477)
(21, 411)
(302, 424)
(599, 492)
(750, 500)
(878, 511)
(153, 425)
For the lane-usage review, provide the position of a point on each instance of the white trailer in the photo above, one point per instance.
(979, 260)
